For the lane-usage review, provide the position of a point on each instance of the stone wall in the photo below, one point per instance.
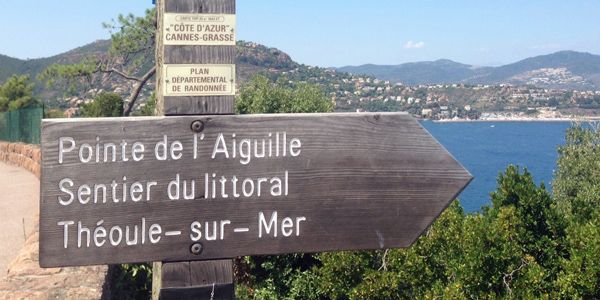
(25, 279)
(22, 155)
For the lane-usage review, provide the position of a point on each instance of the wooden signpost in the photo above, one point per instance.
(195, 60)
(198, 184)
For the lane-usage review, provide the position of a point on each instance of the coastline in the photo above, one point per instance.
(519, 119)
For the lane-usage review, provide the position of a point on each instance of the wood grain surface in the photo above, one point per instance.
(362, 181)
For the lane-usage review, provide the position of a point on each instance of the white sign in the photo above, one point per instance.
(199, 29)
(199, 80)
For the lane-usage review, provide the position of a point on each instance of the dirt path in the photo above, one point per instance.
(19, 207)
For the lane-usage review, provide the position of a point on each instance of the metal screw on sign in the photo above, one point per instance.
(197, 126)
(196, 248)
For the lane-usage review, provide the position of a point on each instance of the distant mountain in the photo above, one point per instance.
(10, 65)
(564, 69)
(427, 72)
(568, 69)
(252, 58)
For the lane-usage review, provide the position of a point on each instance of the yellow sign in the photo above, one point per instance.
(199, 80)
(199, 29)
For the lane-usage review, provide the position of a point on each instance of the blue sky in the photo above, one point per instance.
(336, 32)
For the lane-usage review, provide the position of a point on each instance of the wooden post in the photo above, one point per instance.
(197, 280)
(201, 279)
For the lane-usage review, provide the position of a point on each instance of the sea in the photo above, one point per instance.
(488, 148)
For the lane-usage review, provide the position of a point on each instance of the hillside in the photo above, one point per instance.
(565, 69)
(568, 69)
(439, 98)
(10, 65)
(252, 58)
(427, 72)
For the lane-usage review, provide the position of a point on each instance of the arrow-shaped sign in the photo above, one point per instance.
(122, 190)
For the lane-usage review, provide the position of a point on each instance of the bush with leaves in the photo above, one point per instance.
(130, 281)
(103, 105)
(261, 95)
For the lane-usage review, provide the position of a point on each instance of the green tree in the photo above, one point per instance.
(131, 57)
(577, 191)
(103, 105)
(17, 93)
(577, 178)
(580, 275)
(543, 228)
(261, 95)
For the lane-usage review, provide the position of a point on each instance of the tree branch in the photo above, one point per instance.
(384, 261)
(507, 278)
(138, 88)
(120, 73)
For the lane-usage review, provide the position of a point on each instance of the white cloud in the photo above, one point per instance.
(414, 45)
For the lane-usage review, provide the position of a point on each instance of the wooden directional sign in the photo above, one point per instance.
(119, 190)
